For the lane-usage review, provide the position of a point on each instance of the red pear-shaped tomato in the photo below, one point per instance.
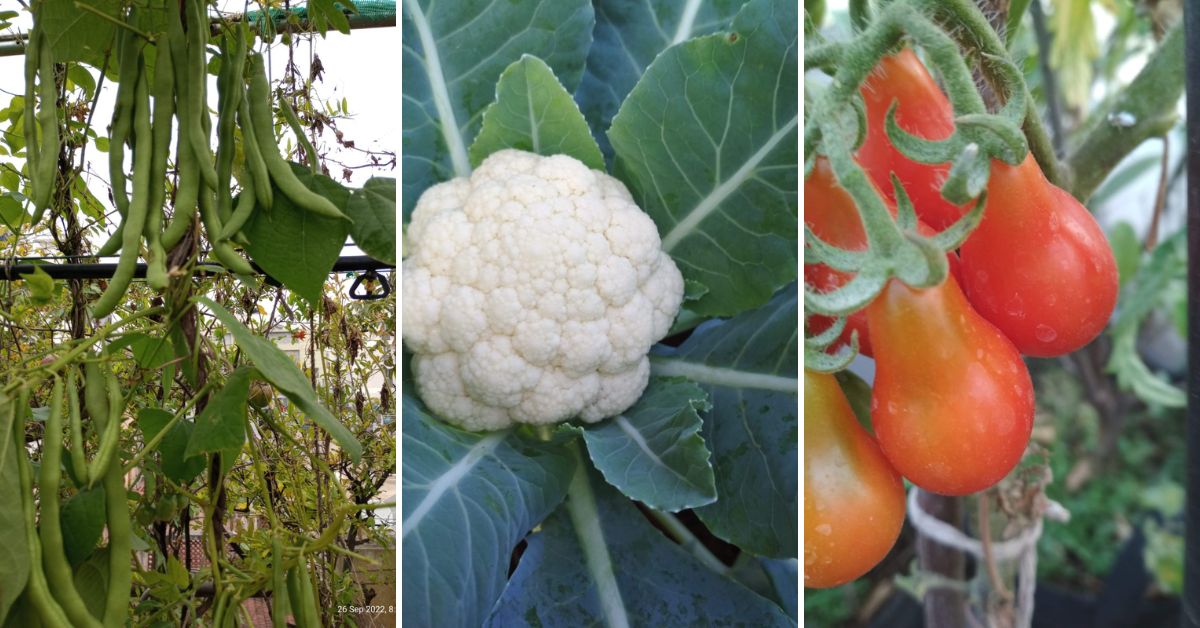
(921, 109)
(1038, 266)
(952, 405)
(830, 212)
(853, 499)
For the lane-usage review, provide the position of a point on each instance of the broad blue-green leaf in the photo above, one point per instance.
(278, 369)
(294, 245)
(221, 426)
(748, 365)
(653, 452)
(657, 583)
(706, 142)
(468, 500)
(629, 35)
(453, 54)
(784, 575)
(14, 554)
(373, 210)
(534, 113)
(175, 464)
(82, 517)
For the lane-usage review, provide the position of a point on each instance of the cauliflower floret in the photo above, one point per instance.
(533, 290)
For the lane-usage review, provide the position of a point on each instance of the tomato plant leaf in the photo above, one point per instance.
(294, 245)
(14, 557)
(373, 210)
(278, 369)
(82, 518)
(706, 142)
(468, 500)
(453, 56)
(748, 365)
(221, 426)
(659, 583)
(629, 34)
(534, 113)
(653, 452)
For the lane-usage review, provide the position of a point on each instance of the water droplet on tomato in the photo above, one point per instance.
(1015, 306)
(1045, 333)
(825, 529)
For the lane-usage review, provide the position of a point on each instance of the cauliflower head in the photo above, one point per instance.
(532, 291)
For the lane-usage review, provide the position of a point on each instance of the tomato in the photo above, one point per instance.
(830, 212)
(1038, 266)
(953, 402)
(853, 498)
(921, 109)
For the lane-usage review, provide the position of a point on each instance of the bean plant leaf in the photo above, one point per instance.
(653, 452)
(748, 365)
(14, 554)
(658, 583)
(468, 500)
(454, 53)
(629, 35)
(91, 579)
(534, 113)
(278, 369)
(294, 245)
(373, 210)
(75, 35)
(221, 426)
(177, 466)
(82, 517)
(706, 142)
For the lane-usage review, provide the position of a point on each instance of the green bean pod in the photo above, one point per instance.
(122, 119)
(297, 592)
(229, 96)
(110, 439)
(188, 189)
(255, 166)
(164, 115)
(245, 208)
(310, 151)
(279, 601)
(29, 117)
(197, 69)
(281, 173)
(135, 220)
(37, 589)
(54, 557)
(120, 547)
(78, 457)
(220, 249)
(47, 115)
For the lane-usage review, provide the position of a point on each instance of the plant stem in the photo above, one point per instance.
(1145, 108)
(685, 538)
(1049, 78)
(581, 506)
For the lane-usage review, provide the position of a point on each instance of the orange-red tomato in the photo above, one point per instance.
(1038, 266)
(921, 109)
(952, 404)
(853, 499)
(830, 212)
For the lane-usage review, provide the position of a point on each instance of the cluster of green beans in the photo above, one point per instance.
(41, 112)
(205, 180)
(51, 586)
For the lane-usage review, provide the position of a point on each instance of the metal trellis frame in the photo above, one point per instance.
(101, 270)
(1191, 584)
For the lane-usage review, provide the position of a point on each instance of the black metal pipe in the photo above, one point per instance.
(1191, 568)
(11, 272)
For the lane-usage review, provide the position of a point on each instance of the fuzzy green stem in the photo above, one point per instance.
(1143, 109)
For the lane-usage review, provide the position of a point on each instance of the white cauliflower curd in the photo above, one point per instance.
(533, 290)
